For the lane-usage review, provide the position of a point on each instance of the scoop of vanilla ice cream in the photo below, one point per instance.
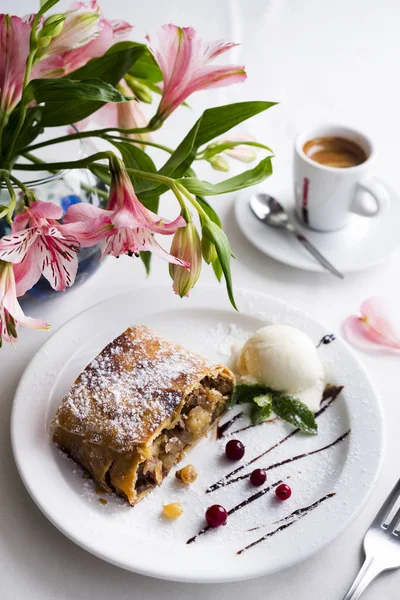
(284, 359)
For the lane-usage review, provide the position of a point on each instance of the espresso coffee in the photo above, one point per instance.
(334, 152)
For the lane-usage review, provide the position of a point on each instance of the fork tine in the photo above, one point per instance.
(392, 525)
(387, 505)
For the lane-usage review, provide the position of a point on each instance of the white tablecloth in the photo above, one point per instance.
(324, 61)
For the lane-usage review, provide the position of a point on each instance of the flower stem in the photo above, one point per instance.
(24, 105)
(139, 142)
(29, 197)
(152, 177)
(95, 190)
(84, 186)
(192, 200)
(36, 160)
(13, 200)
(3, 123)
(185, 211)
(58, 166)
(85, 134)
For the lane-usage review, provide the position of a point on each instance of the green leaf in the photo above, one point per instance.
(223, 248)
(296, 413)
(246, 392)
(261, 409)
(134, 157)
(264, 400)
(146, 69)
(213, 122)
(30, 130)
(250, 177)
(215, 149)
(216, 265)
(68, 101)
(101, 172)
(208, 209)
(112, 66)
(62, 90)
(146, 260)
(45, 6)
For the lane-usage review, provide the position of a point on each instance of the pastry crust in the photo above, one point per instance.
(137, 408)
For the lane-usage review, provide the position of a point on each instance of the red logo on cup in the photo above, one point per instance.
(304, 208)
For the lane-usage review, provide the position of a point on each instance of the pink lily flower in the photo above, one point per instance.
(81, 26)
(133, 224)
(10, 311)
(110, 33)
(102, 35)
(184, 60)
(372, 330)
(39, 245)
(14, 49)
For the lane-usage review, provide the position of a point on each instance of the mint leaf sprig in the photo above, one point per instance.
(264, 401)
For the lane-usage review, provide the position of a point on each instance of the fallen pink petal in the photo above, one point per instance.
(372, 331)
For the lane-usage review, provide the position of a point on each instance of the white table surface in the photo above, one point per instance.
(324, 61)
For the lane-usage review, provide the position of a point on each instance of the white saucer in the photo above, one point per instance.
(365, 242)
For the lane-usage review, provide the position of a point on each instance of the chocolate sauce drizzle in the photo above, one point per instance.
(239, 507)
(300, 513)
(331, 392)
(327, 339)
(292, 459)
(222, 428)
(253, 425)
(296, 513)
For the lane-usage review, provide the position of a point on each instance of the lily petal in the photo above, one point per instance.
(12, 305)
(58, 260)
(14, 50)
(90, 233)
(374, 315)
(371, 331)
(45, 210)
(147, 242)
(27, 272)
(13, 247)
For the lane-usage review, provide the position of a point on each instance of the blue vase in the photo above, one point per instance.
(63, 189)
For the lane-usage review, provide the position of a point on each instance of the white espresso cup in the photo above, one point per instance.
(326, 196)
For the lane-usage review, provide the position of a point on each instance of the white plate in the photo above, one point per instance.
(365, 242)
(139, 539)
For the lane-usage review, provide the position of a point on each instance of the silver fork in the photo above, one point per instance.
(381, 546)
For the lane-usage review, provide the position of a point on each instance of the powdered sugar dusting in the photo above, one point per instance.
(130, 388)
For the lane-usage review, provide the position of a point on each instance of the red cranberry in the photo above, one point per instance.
(258, 477)
(216, 515)
(234, 450)
(283, 491)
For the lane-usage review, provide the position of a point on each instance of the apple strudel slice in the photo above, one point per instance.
(137, 408)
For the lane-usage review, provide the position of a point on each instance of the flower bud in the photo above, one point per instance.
(186, 245)
(219, 163)
(52, 27)
(241, 152)
(208, 249)
(140, 90)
